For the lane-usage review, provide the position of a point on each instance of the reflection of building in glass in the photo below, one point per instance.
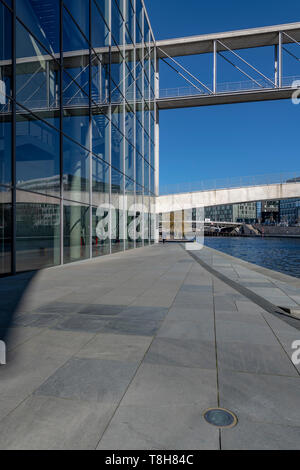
(270, 212)
(77, 130)
(290, 211)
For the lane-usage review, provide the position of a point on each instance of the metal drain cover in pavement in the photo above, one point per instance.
(220, 417)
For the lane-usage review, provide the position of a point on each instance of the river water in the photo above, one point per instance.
(279, 254)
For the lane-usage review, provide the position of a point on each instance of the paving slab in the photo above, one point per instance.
(260, 436)
(169, 427)
(103, 381)
(259, 397)
(49, 423)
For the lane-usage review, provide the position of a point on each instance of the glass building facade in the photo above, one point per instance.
(289, 211)
(77, 130)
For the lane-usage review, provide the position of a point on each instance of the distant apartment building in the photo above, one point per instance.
(269, 212)
(290, 211)
(246, 213)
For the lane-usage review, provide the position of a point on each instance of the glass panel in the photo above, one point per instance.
(116, 23)
(129, 160)
(116, 70)
(146, 220)
(5, 54)
(73, 39)
(80, 11)
(101, 198)
(100, 13)
(76, 74)
(76, 126)
(117, 216)
(152, 182)
(41, 17)
(37, 80)
(38, 231)
(76, 232)
(76, 172)
(129, 124)
(139, 222)
(139, 74)
(146, 176)
(100, 80)
(101, 245)
(100, 182)
(73, 93)
(129, 213)
(129, 13)
(139, 17)
(5, 148)
(100, 136)
(139, 169)
(139, 137)
(5, 231)
(37, 155)
(146, 147)
(117, 149)
(117, 117)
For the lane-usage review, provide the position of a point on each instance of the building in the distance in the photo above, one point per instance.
(269, 212)
(289, 211)
(244, 213)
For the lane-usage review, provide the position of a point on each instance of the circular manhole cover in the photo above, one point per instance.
(220, 417)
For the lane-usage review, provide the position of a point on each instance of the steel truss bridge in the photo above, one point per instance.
(257, 87)
(256, 84)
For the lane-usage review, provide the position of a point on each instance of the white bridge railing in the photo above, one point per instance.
(227, 87)
(229, 183)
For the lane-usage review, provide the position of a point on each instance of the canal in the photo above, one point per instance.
(279, 254)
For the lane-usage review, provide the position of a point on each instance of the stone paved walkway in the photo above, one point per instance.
(127, 351)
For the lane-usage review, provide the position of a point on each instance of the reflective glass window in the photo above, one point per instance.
(37, 79)
(38, 231)
(100, 80)
(129, 18)
(37, 155)
(100, 21)
(101, 136)
(129, 160)
(146, 176)
(5, 54)
(41, 18)
(73, 39)
(5, 230)
(79, 10)
(76, 126)
(117, 151)
(76, 231)
(76, 171)
(100, 182)
(129, 124)
(129, 213)
(117, 216)
(139, 169)
(116, 23)
(100, 220)
(5, 148)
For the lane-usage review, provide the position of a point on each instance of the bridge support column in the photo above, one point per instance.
(280, 60)
(215, 68)
(276, 65)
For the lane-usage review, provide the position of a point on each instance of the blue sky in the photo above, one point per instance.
(233, 140)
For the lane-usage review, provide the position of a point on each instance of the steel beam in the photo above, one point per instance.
(225, 98)
(240, 39)
(215, 72)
